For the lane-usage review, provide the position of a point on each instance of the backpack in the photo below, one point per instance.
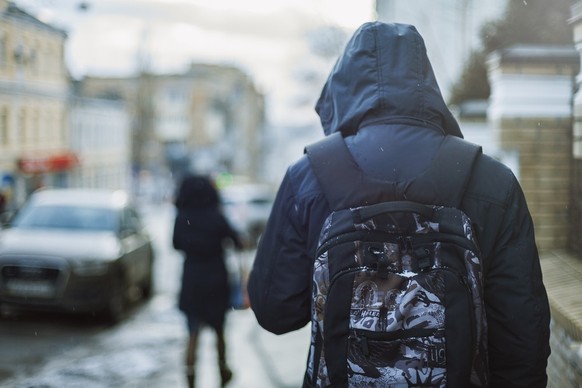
(397, 279)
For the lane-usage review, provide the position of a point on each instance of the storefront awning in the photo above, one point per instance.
(51, 163)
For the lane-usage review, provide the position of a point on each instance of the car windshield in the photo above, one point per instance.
(66, 217)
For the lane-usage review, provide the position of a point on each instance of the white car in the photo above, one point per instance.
(248, 208)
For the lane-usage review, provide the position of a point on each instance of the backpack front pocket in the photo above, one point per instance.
(409, 357)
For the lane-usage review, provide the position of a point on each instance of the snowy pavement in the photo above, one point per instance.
(148, 350)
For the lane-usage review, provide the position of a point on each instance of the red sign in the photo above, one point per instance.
(53, 163)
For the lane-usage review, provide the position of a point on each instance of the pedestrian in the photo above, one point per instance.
(3, 202)
(382, 96)
(200, 230)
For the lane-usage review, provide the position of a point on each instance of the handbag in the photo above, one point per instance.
(238, 276)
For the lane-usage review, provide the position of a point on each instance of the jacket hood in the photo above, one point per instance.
(196, 192)
(383, 75)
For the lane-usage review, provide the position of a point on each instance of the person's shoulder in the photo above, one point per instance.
(301, 177)
(299, 169)
(491, 179)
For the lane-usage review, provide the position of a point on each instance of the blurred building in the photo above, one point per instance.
(209, 119)
(34, 135)
(101, 137)
(450, 29)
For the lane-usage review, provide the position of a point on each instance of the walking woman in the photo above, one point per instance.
(199, 232)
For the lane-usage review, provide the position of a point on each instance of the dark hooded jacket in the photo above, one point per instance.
(199, 231)
(383, 97)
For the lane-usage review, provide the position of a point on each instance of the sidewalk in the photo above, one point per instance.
(258, 358)
(147, 351)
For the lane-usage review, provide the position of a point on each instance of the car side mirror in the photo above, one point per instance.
(128, 231)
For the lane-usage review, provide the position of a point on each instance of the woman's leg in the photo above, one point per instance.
(191, 360)
(191, 353)
(225, 372)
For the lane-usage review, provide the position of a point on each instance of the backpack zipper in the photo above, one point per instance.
(376, 236)
(363, 336)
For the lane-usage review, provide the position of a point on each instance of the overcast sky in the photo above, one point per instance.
(265, 38)
(105, 38)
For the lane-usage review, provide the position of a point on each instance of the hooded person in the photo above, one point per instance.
(382, 96)
(200, 230)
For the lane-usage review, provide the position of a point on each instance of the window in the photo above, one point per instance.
(3, 49)
(36, 134)
(4, 130)
(66, 217)
(22, 129)
(131, 222)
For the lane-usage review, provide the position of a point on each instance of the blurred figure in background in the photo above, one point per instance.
(3, 202)
(200, 230)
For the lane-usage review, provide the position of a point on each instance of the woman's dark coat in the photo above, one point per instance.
(383, 96)
(199, 231)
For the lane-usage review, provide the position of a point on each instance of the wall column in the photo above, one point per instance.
(530, 114)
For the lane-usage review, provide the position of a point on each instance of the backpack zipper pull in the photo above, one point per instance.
(405, 244)
(407, 252)
(423, 259)
(382, 264)
(363, 344)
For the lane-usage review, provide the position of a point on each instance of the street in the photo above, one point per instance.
(147, 348)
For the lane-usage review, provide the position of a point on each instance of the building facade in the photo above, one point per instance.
(101, 138)
(209, 119)
(34, 135)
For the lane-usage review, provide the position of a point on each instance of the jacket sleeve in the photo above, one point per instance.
(230, 233)
(176, 235)
(517, 306)
(280, 281)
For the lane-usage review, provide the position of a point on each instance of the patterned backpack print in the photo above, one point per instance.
(398, 299)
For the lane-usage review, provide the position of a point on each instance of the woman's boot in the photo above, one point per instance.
(191, 376)
(191, 360)
(225, 373)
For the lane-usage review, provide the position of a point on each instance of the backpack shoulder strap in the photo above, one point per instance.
(333, 165)
(446, 180)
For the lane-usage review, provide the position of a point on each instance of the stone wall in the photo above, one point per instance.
(543, 146)
(576, 194)
(565, 363)
(562, 276)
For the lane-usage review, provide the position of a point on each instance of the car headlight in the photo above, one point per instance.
(91, 267)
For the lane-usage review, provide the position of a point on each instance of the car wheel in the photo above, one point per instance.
(147, 285)
(116, 304)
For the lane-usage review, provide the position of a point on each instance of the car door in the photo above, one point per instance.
(136, 246)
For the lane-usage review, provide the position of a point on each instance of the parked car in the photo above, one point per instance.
(75, 250)
(248, 208)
